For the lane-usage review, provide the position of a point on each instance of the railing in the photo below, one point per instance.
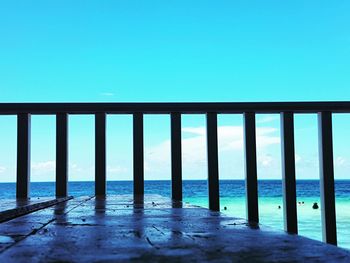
(285, 109)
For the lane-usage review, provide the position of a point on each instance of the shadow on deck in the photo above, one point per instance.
(117, 229)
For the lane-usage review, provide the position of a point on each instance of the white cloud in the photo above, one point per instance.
(116, 169)
(266, 160)
(47, 166)
(231, 137)
(230, 140)
(146, 166)
(341, 161)
(267, 119)
(107, 94)
(157, 160)
(265, 137)
(194, 130)
(310, 162)
(45, 171)
(50, 166)
(341, 167)
(75, 168)
(2, 169)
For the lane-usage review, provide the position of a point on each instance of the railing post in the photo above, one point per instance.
(100, 154)
(61, 154)
(138, 154)
(23, 155)
(251, 168)
(288, 173)
(176, 158)
(329, 228)
(213, 162)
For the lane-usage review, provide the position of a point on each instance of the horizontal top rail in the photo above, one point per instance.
(181, 107)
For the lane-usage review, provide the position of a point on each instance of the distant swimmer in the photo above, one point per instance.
(279, 207)
(315, 206)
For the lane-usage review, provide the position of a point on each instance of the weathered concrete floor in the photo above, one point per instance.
(116, 229)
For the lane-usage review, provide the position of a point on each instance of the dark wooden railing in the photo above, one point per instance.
(249, 110)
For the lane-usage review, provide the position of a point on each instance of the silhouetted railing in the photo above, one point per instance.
(285, 109)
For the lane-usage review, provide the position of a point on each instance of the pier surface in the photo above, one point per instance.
(90, 229)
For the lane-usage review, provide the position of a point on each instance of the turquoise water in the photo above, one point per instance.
(232, 196)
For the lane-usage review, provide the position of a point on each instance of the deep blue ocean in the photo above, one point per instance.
(232, 197)
(191, 188)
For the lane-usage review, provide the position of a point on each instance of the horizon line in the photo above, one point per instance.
(169, 180)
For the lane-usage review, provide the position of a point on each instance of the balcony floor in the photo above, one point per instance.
(115, 229)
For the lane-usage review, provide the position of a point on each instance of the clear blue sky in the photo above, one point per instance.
(120, 51)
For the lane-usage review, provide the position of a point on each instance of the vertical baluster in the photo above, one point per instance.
(61, 154)
(213, 167)
(288, 173)
(100, 154)
(138, 155)
(251, 167)
(329, 228)
(176, 158)
(23, 155)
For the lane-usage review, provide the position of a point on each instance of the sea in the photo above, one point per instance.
(232, 200)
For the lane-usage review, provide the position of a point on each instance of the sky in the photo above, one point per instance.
(173, 51)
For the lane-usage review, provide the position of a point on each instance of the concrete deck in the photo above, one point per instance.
(115, 229)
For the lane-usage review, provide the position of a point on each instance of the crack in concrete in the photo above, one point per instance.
(149, 242)
(158, 229)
